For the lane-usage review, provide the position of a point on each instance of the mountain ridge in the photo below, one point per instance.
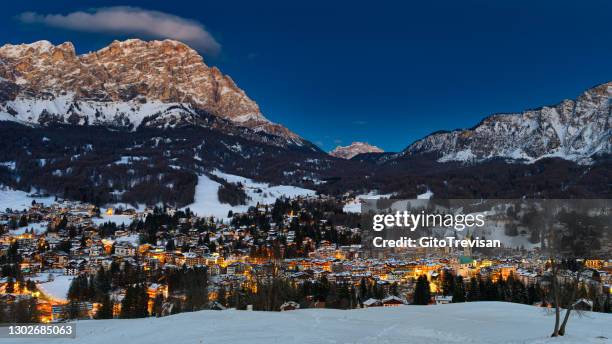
(127, 132)
(121, 84)
(572, 129)
(165, 84)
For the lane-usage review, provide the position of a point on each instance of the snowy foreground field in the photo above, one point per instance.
(482, 322)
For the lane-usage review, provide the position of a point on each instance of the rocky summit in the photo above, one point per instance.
(126, 84)
(354, 149)
(574, 130)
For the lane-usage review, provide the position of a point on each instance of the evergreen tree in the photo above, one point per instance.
(377, 291)
(135, 302)
(221, 296)
(73, 310)
(344, 296)
(25, 311)
(196, 288)
(81, 289)
(363, 290)
(106, 310)
(322, 289)
(459, 290)
(353, 294)
(393, 289)
(158, 304)
(532, 295)
(422, 294)
(23, 221)
(331, 298)
(490, 290)
(519, 293)
(473, 292)
(448, 282)
(102, 284)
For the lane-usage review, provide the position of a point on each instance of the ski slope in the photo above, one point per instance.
(206, 202)
(20, 200)
(480, 322)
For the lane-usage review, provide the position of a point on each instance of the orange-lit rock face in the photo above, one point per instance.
(167, 71)
(355, 148)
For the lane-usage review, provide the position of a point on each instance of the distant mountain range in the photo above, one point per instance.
(574, 130)
(139, 121)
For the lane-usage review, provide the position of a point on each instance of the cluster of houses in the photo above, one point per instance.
(63, 253)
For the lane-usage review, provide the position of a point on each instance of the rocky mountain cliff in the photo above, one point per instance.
(126, 84)
(94, 127)
(573, 130)
(355, 148)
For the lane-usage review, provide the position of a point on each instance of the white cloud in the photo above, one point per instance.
(131, 21)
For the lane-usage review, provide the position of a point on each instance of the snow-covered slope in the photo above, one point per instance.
(480, 322)
(573, 130)
(355, 148)
(57, 287)
(20, 200)
(354, 205)
(121, 114)
(207, 202)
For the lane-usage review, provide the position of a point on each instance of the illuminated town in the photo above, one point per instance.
(74, 260)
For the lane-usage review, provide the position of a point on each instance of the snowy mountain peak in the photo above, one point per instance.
(16, 51)
(41, 81)
(573, 130)
(355, 148)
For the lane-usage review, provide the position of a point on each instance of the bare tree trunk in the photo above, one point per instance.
(555, 290)
(570, 307)
(557, 311)
(565, 318)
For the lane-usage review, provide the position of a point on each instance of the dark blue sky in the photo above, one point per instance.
(383, 72)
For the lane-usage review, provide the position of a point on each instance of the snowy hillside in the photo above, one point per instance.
(354, 205)
(207, 200)
(483, 322)
(56, 287)
(19, 200)
(114, 114)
